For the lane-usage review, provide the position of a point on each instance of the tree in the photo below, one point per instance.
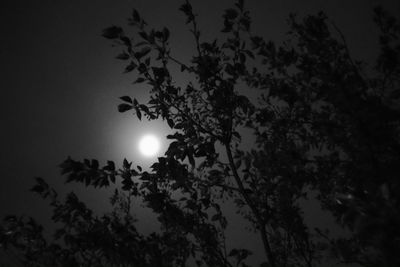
(320, 125)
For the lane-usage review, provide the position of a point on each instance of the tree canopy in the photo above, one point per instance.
(323, 123)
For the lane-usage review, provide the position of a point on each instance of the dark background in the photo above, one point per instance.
(60, 82)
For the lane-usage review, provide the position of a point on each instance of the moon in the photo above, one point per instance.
(149, 145)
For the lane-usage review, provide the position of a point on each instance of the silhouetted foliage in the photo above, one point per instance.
(324, 123)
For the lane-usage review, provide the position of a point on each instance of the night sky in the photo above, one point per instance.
(60, 81)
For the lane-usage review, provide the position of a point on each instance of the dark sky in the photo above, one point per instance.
(60, 82)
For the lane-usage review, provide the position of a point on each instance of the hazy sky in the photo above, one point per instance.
(60, 82)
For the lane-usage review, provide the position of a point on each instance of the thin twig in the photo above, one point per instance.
(346, 47)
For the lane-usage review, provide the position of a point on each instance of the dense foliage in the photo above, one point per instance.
(323, 123)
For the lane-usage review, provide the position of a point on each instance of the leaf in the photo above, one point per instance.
(144, 35)
(249, 53)
(240, 4)
(230, 14)
(127, 184)
(187, 9)
(237, 135)
(172, 90)
(143, 52)
(112, 178)
(130, 67)
(112, 32)
(139, 80)
(37, 188)
(142, 68)
(138, 113)
(95, 164)
(170, 123)
(144, 108)
(166, 33)
(110, 165)
(141, 43)
(126, 99)
(124, 107)
(136, 16)
(228, 26)
(126, 164)
(126, 41)
(233, 252)
(159, 73)
(147, 61)
(245, 22)
(158, 34)
(238, 164)
(123, 56)
(191, 159)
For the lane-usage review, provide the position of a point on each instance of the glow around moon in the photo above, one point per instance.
(149, 145)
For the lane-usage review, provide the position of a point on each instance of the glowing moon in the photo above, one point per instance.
(149, 145)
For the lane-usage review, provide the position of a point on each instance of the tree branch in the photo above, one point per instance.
(260, 221)
(195, 32)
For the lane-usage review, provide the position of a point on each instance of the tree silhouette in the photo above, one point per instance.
(323, 123)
